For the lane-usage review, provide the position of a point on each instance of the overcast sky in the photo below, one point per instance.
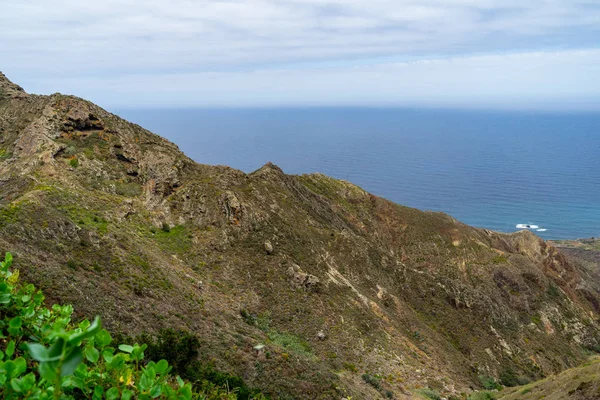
(525, 54)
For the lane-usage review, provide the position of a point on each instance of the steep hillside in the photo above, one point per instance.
(352, 295)
(581, 383)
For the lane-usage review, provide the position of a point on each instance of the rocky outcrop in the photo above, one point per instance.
(10, 90)
(301, 280)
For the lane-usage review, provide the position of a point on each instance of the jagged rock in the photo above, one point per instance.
(301, 280)
(268, 247)
(232, 207)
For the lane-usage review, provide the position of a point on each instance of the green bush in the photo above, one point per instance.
(482, 396)
(74, 162)
(489, 383)
(45, 356)
(429, 393)
(508, 377)
(180, 349)
(371, 380)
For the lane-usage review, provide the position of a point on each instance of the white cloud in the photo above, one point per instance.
(44, 42)
(562, 80)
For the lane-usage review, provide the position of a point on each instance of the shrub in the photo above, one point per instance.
(489, 383)
(371, 380)
(180, 349)
(291, 342)
(508, 377)
(482, 396)
(429, 393)
(67, 361)
(128, 189)
(74, 162)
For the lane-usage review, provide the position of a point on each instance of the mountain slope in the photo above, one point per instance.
(581, 383)
(353, 295)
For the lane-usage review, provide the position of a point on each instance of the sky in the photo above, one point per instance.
(525, 54)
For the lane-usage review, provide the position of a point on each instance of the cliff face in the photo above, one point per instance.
(335, 281)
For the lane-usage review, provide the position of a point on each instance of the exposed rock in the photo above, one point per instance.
(268, 247)
(9, 89)
(301, 280)
(232, 207)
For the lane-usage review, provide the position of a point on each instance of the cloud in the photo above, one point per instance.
(126, 41)
(560, 80)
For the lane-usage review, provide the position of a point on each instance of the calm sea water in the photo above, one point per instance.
(488, 169)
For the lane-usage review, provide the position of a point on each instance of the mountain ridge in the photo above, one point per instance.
(353, 295)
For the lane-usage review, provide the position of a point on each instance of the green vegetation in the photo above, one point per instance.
(508, 377)
(128, 189)
(180, 350)
(74, 162)
(291, 342)
(287, 341)
(581, 382)
(429, 393)
(489, 383)
(4, 155)
(45, 356)
(499, 259)
(176, 240)
(485, 395)
(372, 380)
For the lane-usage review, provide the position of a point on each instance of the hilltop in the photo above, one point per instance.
(350, 294)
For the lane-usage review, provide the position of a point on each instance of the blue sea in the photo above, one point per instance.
(488, 169)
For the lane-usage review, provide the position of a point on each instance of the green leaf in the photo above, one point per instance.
(98, 392)
(162, 366)
(127, 394)
(103, 338)
(10, 349)
(185, 392)
(8, 259)
(38, 351)
(126, 348)
(150, 371)
(117, 362)
(89, 332)
(47, 370)
(107, 354)
(83, 325)
(16, 385)
(9, 367)
(24, 384)
(5, 298)
(180, 381)
(16, 367)
(156, 391)
(92, 354)
(73, 381)
(57, 348)
(145, 383)
(138, 352)
(14, 326)
(112, 393)
(71, 361)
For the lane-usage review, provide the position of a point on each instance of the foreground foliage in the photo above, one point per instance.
(44, 356)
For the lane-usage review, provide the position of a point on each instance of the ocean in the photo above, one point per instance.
(487, 169)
